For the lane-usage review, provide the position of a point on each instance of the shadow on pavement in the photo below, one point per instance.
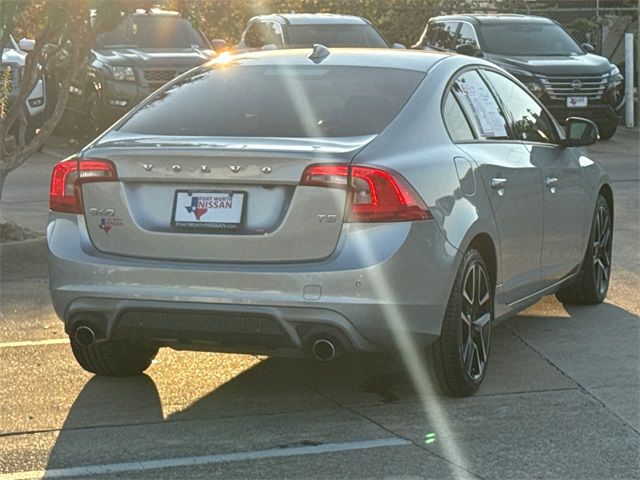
(291, 386)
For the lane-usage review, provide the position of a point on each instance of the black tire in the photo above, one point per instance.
(592, 283)
(461, 354)
(114, 358)
(606, 130)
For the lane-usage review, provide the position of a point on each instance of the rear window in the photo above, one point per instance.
(335, 36)
(277, 101)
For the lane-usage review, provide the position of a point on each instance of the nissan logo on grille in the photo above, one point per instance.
(576, 84)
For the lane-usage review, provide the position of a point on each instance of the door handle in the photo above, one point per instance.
(498, 183)
(551, 182)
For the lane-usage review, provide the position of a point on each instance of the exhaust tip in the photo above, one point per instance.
(85, 336)
(323, 350)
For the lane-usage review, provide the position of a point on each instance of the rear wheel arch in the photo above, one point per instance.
(486, 247)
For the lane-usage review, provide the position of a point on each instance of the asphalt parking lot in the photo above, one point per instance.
(561, 398)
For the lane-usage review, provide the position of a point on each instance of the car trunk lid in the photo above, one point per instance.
(217, 200)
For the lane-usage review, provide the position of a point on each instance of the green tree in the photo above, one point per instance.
(52, 23)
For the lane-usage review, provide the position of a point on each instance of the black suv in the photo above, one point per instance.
(145, 51)
(304, 30)
(566, 76)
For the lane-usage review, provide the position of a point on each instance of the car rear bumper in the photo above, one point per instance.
(384, 284)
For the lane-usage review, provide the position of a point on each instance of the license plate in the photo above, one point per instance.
(212, 210)
(577, 102)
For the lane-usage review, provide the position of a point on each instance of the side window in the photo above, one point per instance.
(272, 34)
(530, 122)
(482, 109)
(455, 121)
(252, 37)
(467, 36)
(441, 35)
(432, 33)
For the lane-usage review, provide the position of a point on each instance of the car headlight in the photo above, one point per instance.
(535, 88)
(615, 77)
(123, 74)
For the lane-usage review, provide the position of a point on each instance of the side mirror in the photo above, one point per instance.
(579, 132)
(27, 45)
(468, 50)
(218, 45)
(587, 47)
(399, 46)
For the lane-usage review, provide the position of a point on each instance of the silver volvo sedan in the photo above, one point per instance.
(315, 202)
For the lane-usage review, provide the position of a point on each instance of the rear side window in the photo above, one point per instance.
(481, 106)
(530, 121)
(455, 121)
(277, 101)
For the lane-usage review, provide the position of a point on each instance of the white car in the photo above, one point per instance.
(14, 56)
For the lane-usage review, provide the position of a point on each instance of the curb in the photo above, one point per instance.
(22, 253)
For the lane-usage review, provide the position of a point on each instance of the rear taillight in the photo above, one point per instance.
(374, 194)
(68, 176)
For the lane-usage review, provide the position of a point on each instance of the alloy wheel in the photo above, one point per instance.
(602, 249)
(475, 314)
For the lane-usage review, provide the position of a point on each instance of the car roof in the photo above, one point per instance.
(313, 19)
(360, 57)
(495, 18)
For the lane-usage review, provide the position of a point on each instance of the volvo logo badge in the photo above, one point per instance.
(235, 168)
(576, 84)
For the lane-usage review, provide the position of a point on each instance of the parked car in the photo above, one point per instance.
(316, 202)
(566, 76)
(295, 30)
(145, 51)
(14, 56)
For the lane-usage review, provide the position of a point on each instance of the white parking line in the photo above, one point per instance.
(91, 470)
(30, 343)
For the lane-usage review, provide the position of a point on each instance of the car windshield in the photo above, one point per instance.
(152, 31)
(529, 39)
(277, 101)
(335, 36)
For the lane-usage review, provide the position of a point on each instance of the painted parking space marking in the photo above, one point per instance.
(112, 468)
(31, 343)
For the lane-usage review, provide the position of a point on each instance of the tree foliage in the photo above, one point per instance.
(52, 23)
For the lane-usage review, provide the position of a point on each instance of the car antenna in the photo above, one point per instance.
(319, 53)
